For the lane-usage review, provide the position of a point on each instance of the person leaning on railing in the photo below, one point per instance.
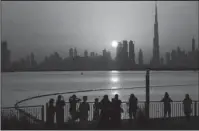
(96, 107)
(133, 106)
(187, 102)
(167, 105)
(84, 109)
(73, 100)
(50, 113)
(60, 111)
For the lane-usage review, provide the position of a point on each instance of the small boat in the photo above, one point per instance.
(81, 73)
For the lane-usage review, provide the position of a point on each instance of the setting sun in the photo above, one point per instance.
(114, 44)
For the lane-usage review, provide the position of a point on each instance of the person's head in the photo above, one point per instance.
(116, 96)
(74, 96)
(187, 96)
(132, 96)
(166, 94)
(59, 97)
(105, 97)
(96, 99)
(84, 98)
(51, 101)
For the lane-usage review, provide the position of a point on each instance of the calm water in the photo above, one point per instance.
(17, 86)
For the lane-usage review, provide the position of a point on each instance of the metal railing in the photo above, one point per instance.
(156, 110)
(30, 113)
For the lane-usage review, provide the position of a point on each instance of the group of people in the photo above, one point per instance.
(106, 112)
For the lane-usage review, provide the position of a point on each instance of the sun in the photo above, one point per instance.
(114, 44)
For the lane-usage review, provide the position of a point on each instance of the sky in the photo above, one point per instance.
(46, 27)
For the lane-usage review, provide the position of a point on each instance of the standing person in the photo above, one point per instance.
(187, 106)
(50, 113)
(96, 108)
(133, 106)
(60, 111)
(84, 109)
(105, 106)
(73, 100)
(116, 111)
(167, 105)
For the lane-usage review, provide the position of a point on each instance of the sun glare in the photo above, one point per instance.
(114, 44)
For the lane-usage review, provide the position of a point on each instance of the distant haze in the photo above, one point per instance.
(45, 27)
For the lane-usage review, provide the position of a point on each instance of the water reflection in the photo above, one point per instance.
(114, 92)
(114, 79)
(114, 71)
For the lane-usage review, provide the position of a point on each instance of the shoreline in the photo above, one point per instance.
(102, 70)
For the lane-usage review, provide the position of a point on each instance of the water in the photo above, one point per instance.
(20, 85)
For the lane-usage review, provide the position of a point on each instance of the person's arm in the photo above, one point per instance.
(171, 100)
(162, 100)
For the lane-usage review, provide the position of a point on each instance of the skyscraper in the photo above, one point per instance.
(104, 53)
(140, 57)
(125, 49)
(32, 60)
(156, 55)
(85, 53)
(71, 53)
(167, 58)
(193, 44)
(5, 56)
(119, 51)
(131, 52)
(75, 52)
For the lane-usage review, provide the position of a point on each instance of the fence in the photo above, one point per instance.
(31, 113)
(156, 110)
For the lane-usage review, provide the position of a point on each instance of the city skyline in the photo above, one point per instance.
(175, 35)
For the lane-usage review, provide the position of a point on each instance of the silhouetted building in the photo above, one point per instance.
(140, 57)
(156, 54)
(5, 56)
(125, 49)
(131, 52)
(75, 52)
(193, 44)
(85, 53)
(167, 58)
(119, 51)
(173, 56)
(92, 54)
(33, 63)
(104, 53)
(71, 53)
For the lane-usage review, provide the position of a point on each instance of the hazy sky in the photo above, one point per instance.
(45, 27)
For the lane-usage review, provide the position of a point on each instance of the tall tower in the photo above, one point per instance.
(125, 49)
(131, 51)
(75, 52)
(140, 57)
(71, 52)
(156, 54)
(193, 44)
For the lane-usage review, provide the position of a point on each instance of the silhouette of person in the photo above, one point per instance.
(167, 104)
(73, 100)
(116, 111)
(96, 107)
(60, 111)
(187, 102)
(105, 106)
(84, 109)
(50, 113)
(133, 106)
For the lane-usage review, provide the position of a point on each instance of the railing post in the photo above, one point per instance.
(42, 113)
(195, 108)
(147, 94)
